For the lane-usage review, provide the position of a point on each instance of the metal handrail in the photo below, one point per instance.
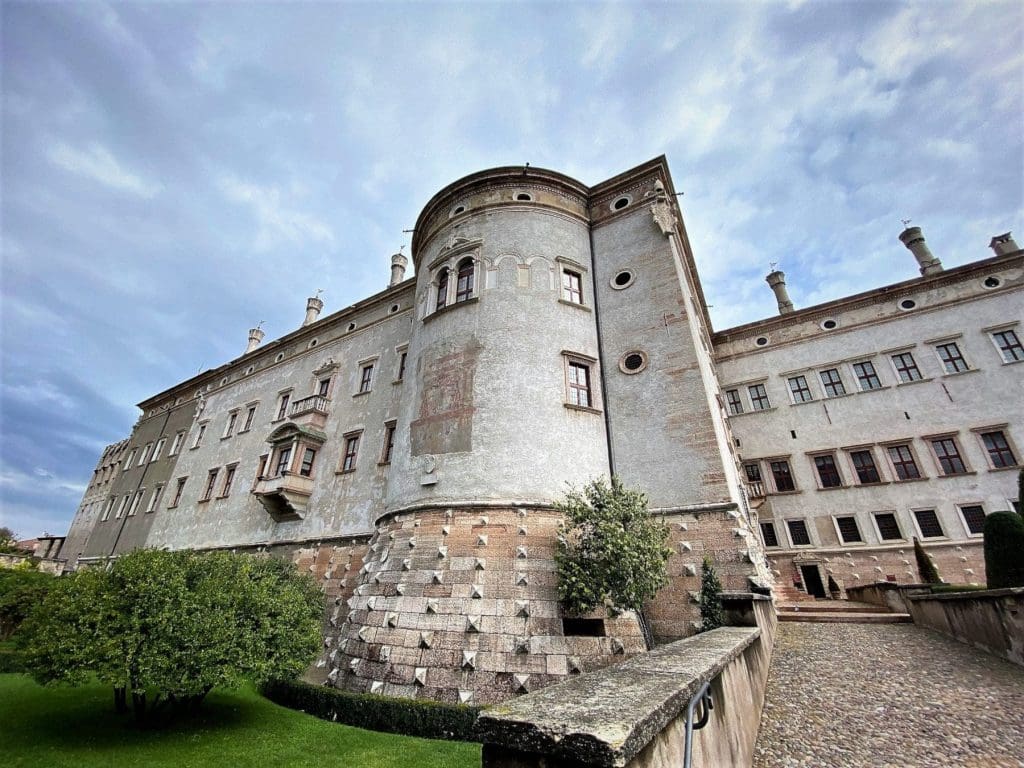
(703, 699)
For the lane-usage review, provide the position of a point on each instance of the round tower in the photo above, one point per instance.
(503, 412)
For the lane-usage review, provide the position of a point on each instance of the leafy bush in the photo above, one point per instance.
(925, 567)
(711, 615)
(10, 659)
(410, 717)
(176, 624)
(21, 589)
(611, 552)
(1004, 550)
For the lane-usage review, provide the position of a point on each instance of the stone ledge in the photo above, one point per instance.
(973, 594)
(607, 717)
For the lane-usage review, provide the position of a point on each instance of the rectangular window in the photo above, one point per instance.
(158, 450)
(799, 390)
(131, 458)
(906, 368)
(758, 397)
(832, 382)
(798, 533)
(123, 506)
(768, 534)
(211, 482)
(306, 468)
(579, 384)
(572, 287)
(1009, 346)
(781, 475)
(974, 518)
(232, 419)
(732, 397)
(180, 489)
(999, 452)
(828, 472)
(249, 416)
(864, 465)
(282, 406)
(176, 444)
(155, 499)
(442, 289)
(106, 510)
(952, 360)
(348, 463)
(145, 454)
(324, 387)
(199, 435)
(928, 523)
(753, 472)
(366, 378)
(903, 463)
(136, 501)
(261, 466)
(389, 443)
(464, 284)
(866, 375)
(848, 530)
(401, 366)
(948, 454)
(229, 478)
(284, 461)
(888, 527)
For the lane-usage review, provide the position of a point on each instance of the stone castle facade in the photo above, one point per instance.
(407, 450)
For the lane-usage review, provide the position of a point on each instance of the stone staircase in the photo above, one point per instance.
(838, 612)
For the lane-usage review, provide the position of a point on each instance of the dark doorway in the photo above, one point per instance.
(812, 580)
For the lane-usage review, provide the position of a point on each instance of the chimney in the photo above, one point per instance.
(313, 307)
(398, 264)
(255, 337)
(777, 282)
(1003, 244)
(914, 240)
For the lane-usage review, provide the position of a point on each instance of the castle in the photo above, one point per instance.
(407, 449)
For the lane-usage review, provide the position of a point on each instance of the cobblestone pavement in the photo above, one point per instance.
(888, 696)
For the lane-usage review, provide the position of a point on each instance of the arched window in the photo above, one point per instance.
(442, 288)
(464, 289)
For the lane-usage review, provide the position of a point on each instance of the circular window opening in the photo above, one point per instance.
(394, 308)
(829, 324)
(313, 343)
(351, 326)
(623, 279)
(224, 381)
(250, 369)
(992, 282)
(621, 203)
(761, 341)
(458, 209)
(525, 196)
(633, 362)
(908, 304)
(279, 358)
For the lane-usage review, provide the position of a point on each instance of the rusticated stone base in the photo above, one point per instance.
(461, 605)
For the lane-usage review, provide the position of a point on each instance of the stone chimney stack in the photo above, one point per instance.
(255, 337)
(398, 264)
(914, 240)
(313, 307)
(1003, 244)
(777, 282)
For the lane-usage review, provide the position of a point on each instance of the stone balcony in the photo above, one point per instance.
(285, 496)
(310, 411)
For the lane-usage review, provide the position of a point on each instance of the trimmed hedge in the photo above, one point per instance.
(409, 717)
(1004, 550)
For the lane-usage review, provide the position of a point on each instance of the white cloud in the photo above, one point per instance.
(278, 221)
(98, 164)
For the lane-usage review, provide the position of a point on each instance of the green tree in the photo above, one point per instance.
(925, 567)
(1004, 550)
(166, 627)
(21, 590)
(611, 552)
(8, 540)
(711, 614)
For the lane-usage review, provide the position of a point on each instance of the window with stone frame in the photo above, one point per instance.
(798, 533)
(928, 524)
(997, 447)
(229, 478)
(580, 381)
(951, 357)
(261, 466)
(732, 399)
(888, 526)
(283, 461)
(832, 382)
(250, 415)
(134, 452)
(799, 390)
(136, 501)
(348, 460)
(464, 284)
(366, 378)
(402, 357)
(211, 482)
(389, 442)
(781, 475)
(158, 449)
(308, 457)
(906, 367)
(974, 518)
(199, 435)
(179, 438)
(758, 397)
(828, 472)
(864, 465)
(282, 404)
(107, 509)
(849, 532)
(1008, 344)
(572, 286)
(441, 295)
(323, 387)
(947, 453)
(903, 463)
(867, 376)
(771, 539)
(229, 430)
(178, 491)
(155, 498)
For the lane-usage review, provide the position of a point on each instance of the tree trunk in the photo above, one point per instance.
(120, 700)
(139, 706)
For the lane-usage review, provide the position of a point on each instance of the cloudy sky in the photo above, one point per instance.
(174, 173)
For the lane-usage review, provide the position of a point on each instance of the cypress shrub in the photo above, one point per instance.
(1004, 550)
(409, 717)
(925, 567)
(711, 614)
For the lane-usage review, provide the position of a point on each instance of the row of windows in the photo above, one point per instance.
(905, 370)
(887, 527)
(447, 293)
(128, 505)
(863, 468)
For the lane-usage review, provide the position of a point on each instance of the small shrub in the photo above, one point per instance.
(1004, 550)
(409, 717)
(925, 567)
(711, 614)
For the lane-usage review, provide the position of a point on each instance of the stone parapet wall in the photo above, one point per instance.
(992, 620)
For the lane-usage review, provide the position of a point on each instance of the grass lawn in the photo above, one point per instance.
(77, 728)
